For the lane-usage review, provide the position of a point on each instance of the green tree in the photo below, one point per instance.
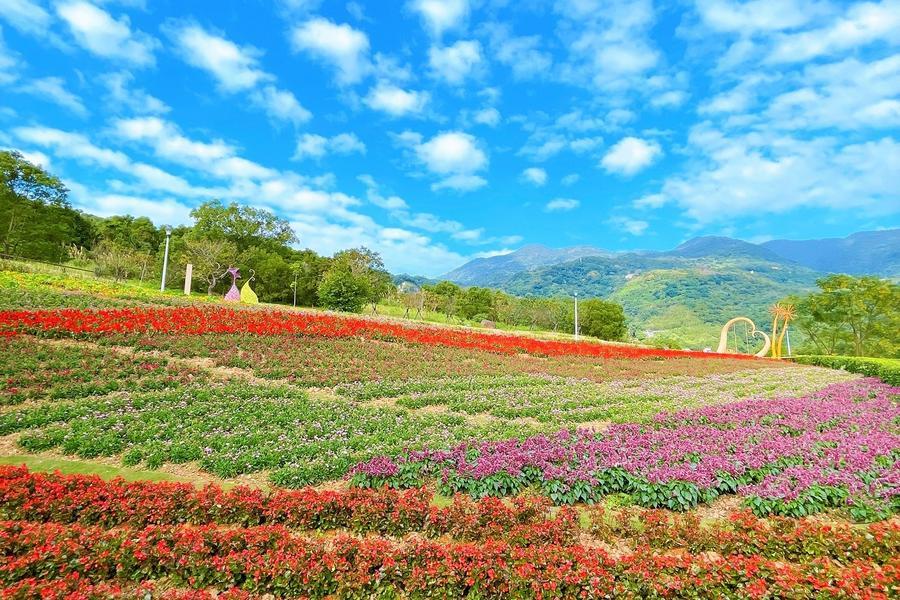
(244, 226)
(852, 315)
(136, 233)
(477, 303)
(209, 258)
(36, 220)
(601, 319)
(307, 271)
(272, 272)
(343, 289)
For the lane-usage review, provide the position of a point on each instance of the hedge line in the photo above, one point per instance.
(885, 369)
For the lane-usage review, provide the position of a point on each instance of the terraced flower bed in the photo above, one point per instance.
(792, 456)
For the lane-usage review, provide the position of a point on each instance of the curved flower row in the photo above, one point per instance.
(199, 320)
(791, 456)
(89, 500)
(271, 559)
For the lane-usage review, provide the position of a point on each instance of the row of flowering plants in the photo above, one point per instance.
(526, 520)
(836, 448)
(193, 320)
(273, 560)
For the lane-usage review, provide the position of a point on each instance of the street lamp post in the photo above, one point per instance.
(576, 316)
(162, 283)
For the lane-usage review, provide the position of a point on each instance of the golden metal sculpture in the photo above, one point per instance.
(723, 337)
(781, 315)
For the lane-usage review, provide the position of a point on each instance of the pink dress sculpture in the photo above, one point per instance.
(233, 295)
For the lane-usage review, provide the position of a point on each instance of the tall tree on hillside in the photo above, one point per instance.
(307, 270)
(244, 226)
(36, 220)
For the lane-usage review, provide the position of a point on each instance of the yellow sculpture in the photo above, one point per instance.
(248, 296)
(723, 337)
(781, 314)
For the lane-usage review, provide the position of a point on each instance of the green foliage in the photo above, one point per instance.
(601, 319)
(244, 226)
(885, 369)
(36, 220)
(852, 315)
(346, 286)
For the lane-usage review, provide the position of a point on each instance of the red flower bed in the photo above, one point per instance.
(271, 559)
(82, 537)
(200, 320)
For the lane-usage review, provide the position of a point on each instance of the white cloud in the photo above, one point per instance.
(847, 95)
(634, 227)
(669, 99)
(535, 176)
(760, 173)
(570, 179)
(630, 155)
(609, 44)
(161, 211)
(396, 101)
(455, 63)
(53, 89)
(522, 54)
(38, 158)
(135, 100)
(8, 64)
(756, 15)
(237, 69)
(280, 105)
(863, 24)
(562, 205)
(461, 182)
(487, 116)
(98, 32)
(441, 15)
(342, 46)
(310, 145)
(234, 68)
(452, 152)
(26, 16)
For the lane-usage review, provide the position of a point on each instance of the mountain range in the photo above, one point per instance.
(688, 292)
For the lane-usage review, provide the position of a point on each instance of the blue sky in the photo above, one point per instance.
(435, 131)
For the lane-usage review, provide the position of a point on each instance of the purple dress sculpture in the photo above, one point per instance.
(233, 295)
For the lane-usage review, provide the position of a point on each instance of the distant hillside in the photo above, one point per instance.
(688, 292)
(495, 270)
(867, 252)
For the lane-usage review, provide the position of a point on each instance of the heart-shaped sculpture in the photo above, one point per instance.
(723, 337)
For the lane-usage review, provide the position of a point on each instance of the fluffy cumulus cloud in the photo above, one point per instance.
(340, 46)
(440, 15)
(562, 205)
(396, 101)
(630, 155)
(535, 176)
(98, 32)
(454, 64)
(456, 157)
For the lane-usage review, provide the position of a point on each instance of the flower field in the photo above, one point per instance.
(449, 463)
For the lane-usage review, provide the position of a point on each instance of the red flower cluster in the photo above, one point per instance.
(82, 537)
(200, 320)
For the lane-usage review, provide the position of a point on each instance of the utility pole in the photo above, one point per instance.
(162, 283)
(576, 316)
